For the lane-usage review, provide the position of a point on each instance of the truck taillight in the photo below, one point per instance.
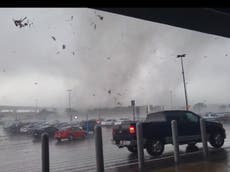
(132, 130)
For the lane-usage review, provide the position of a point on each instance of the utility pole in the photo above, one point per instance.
(185, 90)
(69, 97)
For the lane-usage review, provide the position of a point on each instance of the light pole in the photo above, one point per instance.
(69, 97)
(185, 90)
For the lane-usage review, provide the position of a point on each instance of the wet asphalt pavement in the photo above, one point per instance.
(21, 154)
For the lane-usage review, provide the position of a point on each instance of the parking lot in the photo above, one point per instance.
(21, 154)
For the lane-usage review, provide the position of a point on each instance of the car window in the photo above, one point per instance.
(176, 115)
(76, 129)
(157, 117)
(191, 117)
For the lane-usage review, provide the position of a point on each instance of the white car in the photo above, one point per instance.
(121, 120)
(108, 122)
(211, 115)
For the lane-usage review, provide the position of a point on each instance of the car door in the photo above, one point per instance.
(189, 126)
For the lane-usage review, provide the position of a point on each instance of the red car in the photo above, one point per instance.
(70, 133)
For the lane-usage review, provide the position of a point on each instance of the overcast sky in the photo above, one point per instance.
(107, 61)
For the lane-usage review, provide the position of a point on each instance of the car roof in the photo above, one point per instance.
(168, 111)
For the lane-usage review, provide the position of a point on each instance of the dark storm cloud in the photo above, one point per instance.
(98, 52)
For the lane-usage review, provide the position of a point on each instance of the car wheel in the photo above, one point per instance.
(132, 149)
(155, 147)
(217, 140)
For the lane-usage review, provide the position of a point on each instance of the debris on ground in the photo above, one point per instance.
(93, 94)
(63, 46)
(109, 91)
(73, 53)
(108, 58)
(58, 52)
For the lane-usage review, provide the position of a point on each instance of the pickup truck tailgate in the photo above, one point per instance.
(122, 132)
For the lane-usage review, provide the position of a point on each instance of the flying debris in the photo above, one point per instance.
(21, 22)
(108, 58)
(226, 54)
(109, 91)
(73, 53)
(100, 17)
(35, 83)
(53, 38)
(119, 103)
(93, 94)
(18, 23)
(63, 46)
(205, 56)
(3, 70)
(94, 25)
(71, 18)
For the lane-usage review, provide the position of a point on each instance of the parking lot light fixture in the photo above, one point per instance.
(185, 90)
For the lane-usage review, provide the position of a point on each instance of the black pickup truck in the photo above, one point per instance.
(157, 131)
